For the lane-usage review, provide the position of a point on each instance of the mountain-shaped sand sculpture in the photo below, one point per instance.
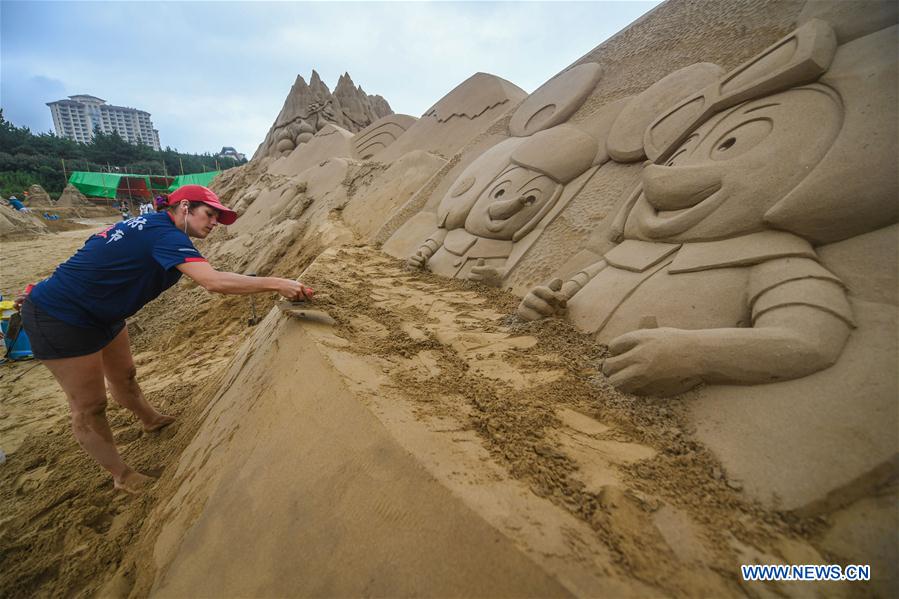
(309, 107)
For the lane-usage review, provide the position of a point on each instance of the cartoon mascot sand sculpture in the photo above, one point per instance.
(715, 277)
(499, 205)
(527, 187)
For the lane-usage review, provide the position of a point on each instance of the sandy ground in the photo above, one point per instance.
(514, 419)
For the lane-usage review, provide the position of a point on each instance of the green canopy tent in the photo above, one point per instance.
(203, 179)
(138, 187)
(160, 185)
(96, 185)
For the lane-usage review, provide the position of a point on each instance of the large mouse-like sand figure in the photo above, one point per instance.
(716, 278)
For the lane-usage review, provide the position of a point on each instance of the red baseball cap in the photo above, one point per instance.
(198, 193)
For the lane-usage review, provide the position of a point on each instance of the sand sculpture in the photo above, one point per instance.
(71, 197)
(457, 117)
(37, 197)
(338, 185)
(773, 232)
(309, 108)
(485, 219)
(481, 225)
(731, 206)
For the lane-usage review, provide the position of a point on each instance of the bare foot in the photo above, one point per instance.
(158, 423)
(133, 482)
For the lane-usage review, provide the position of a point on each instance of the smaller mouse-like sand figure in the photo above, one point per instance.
(499, 199)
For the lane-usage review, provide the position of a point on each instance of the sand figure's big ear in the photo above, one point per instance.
(799, 58)
(855, 187)
(553, 102)
(625, 139)
(381, 134)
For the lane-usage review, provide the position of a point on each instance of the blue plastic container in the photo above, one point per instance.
(22, 347)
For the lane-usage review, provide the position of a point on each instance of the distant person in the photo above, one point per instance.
(160, 203)
(75, 320)
(146, 208)
(17, 204)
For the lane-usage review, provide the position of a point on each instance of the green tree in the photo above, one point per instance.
(26, 158)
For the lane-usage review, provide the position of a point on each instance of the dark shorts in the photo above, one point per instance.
(52, 338)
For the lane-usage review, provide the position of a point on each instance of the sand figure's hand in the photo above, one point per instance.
(418, 260)
(653, 362)
(488, 275)
(543, 301)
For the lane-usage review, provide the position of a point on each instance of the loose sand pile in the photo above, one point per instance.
(17, 224)
(71, 208)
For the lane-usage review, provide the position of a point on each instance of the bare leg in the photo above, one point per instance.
(82, 380)
(118, 367)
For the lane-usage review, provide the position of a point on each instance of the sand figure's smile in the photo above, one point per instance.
(680, 197)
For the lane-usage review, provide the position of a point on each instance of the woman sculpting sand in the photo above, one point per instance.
(76, 318)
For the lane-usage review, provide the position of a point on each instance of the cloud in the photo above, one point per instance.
(23, 98)
(217, 73)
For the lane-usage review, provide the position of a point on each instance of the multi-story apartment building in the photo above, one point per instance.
(77, 117)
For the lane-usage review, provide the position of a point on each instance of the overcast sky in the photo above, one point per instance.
(215, 74)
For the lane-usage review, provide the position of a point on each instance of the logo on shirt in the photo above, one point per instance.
(137, 222)
(105, 232)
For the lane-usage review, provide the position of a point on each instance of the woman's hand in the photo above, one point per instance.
(231, 283)
(294, 290)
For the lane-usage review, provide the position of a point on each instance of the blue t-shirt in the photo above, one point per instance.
(117, 271)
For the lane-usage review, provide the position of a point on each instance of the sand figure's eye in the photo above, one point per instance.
(675, 157)
(498, 193)
(685, 148)
(530, 200)
(727, 144)
(741, 138)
